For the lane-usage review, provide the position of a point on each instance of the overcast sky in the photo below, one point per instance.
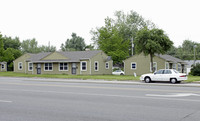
(55, 20)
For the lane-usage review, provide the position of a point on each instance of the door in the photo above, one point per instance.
(38, 68)
(73, 68)
(158, 76)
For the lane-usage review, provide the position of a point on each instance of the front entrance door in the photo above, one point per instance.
(38, 68)
(73, 68)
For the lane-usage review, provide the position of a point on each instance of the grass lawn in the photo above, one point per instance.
(104, 77)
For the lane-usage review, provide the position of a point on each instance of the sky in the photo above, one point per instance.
(54, 20)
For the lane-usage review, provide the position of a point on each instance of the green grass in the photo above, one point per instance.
(84, 77)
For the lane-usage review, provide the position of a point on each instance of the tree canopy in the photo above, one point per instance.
(76, 43)
(115, 37)
(151, 42)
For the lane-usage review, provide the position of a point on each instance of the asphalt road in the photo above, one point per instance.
(23, 99)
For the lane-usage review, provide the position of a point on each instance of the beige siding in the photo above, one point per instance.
(54, 56)
(22, 60)
(3, 69)
(143, 64)
(101, 59)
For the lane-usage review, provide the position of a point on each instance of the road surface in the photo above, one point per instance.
(34, 99)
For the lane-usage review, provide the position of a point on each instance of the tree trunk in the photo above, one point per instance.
(151, 58)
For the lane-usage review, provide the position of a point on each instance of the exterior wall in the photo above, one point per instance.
(142, 64)
(21, 59)
(3, 69)
(54, 56)
(101, 59)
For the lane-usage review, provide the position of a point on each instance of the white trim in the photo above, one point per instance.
(3, 66)
(29, 66)
(166, 63)
(174, 64)
(19, 65)
(97, 65)
(63, 66)
(135, 65)
(106, 65)
(155, 67)
(48, 67)
(90, 67)
(85, 65)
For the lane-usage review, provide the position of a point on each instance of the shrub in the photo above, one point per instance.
(195, 71)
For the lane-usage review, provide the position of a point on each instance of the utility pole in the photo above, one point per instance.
(132, 46)
(194, 55)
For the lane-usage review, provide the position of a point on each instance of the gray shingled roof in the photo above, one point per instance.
(170, 58)
(191, 62)
(73, 56)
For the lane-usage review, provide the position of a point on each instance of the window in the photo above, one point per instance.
(20, 66)
(167, 72)
(154, 66)
(63, 67)
(133, 65)
(48, 66)
(3, 66)
(107, 65)
(166, 65)
(30, 66)
(174, 66)
(96, 65)
(83, 66)
(159, 72)
(179, 67)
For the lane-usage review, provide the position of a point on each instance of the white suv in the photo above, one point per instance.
(164, 75)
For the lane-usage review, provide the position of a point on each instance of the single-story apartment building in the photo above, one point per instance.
(140, 64)
(69, 62)
(3, 66)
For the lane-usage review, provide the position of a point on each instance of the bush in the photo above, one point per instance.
(195, 71)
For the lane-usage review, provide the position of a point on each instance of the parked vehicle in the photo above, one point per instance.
(118, 72)
(164, 75)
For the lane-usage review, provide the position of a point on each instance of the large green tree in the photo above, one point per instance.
(31, 46)
(1, 48)
(151, 42)
(127, 26)
(10, 42)
(76, 43)
(111, 42)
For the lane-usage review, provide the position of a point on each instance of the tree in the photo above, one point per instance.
(111, 42)
(10, 42)
(151, 42)
(31, 46)
(195, 71)
(127, 26)
(1, 47)
(76, 43)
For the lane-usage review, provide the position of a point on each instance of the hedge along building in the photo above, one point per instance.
(140, 64)
(72, 62)
(3, 66)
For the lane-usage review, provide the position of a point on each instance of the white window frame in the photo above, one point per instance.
(85, 65)
(179, 67)
(107, 65)
(3, 66)
(29, 66)
(153, 66)
(166, 65)
(48, 67)
(135, 65)
(20, 63)
(97, 66)
(63, 66)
